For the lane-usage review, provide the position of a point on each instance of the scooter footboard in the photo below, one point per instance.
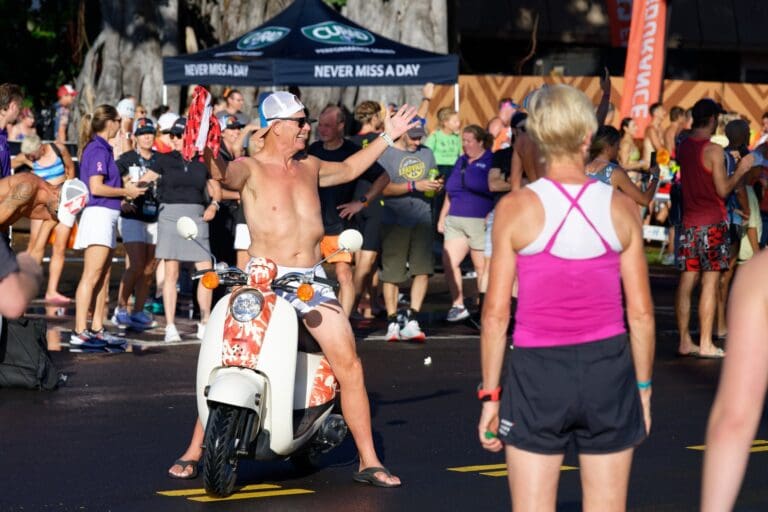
(239, 387)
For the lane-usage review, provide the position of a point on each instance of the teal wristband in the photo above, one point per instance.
(645, 384)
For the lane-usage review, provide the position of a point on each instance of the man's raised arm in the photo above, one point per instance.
(333, 173)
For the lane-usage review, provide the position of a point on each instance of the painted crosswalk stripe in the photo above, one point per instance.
(495, 470)
(758, 445)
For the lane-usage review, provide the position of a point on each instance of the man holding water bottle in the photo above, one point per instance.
(406, 232)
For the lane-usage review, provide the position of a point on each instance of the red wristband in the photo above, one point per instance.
(492, 395)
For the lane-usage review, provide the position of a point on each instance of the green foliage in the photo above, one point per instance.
(37, 46)
(336, 4)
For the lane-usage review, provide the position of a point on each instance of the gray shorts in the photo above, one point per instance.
(470, 228)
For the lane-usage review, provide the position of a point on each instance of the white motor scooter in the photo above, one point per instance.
(264, 389)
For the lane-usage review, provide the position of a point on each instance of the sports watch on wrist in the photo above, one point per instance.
(485, 395)
(363, 200)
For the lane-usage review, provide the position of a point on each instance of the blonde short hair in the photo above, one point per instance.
(560, 118)
(30, 144)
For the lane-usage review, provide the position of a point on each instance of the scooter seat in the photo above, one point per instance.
(307, 342)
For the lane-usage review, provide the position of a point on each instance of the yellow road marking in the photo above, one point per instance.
(250, 495)
(196, 492)
(497, 470)
(758, 444)
(470, 469)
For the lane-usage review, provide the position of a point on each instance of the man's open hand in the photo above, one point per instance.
(400, 122)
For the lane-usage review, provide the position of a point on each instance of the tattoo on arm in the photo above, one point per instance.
(21, 193)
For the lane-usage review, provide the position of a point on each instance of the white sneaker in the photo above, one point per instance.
(200, 330)
(171, 333)
(393, 332)
(412, 331)
(668, 259)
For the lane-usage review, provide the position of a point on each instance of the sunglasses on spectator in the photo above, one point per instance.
(301, 121)
(175, 136)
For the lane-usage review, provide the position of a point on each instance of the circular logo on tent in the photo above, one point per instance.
(331, 32)
(262, 37)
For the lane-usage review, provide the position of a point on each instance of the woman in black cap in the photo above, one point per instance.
(138, 228)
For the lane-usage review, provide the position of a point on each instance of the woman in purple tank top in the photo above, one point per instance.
(572, 243)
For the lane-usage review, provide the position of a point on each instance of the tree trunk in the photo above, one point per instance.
(126, 57)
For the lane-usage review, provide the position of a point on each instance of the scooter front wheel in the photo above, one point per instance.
(220, 455)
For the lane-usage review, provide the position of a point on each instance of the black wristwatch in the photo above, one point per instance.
(364, 200)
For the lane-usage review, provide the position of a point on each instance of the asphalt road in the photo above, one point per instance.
(104, 441)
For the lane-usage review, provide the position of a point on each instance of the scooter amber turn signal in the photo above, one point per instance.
(305, 292)
(210, 280)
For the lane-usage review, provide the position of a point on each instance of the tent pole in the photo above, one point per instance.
(456, 97)
(165, 94)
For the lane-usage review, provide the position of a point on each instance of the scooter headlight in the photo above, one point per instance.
(247, 305)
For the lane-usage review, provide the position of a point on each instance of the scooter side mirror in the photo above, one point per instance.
(350, 240)
(186, 228)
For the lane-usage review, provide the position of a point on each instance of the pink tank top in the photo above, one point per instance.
(568, 301)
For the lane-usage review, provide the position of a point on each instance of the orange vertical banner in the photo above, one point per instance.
(620, 16)
(644, 70)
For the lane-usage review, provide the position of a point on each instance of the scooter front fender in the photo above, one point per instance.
(238, 387)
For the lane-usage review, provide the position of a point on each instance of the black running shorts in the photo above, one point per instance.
(585, 393)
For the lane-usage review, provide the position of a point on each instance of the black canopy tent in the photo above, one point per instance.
(310, 44)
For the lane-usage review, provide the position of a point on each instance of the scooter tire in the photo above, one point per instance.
(220, 454)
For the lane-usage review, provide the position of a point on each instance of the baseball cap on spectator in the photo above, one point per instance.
(418, 131)
(143, 125)
(165, 122)
(178, 126)
(66, 90)
(230, 122)
(706, 108)
(126, 108)
(280, 104)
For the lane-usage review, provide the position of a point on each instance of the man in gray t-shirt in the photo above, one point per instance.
(406, 231)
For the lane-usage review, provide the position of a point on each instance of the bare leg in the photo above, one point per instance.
(204, 295)
(482, 281)
(418, 291)
(723, 287)
(102, 297)
(390, 291)
(346, 285)
(604, 480)
(142, 284)
(707, 302)
(194, 452)
(683, 311)
(95, 259)
(364, 261)
(56, 267)
(533, 480)
(169, 290)
(478, 261)
(134, 268)
(454, 251)
(38, 238)
(330, 327)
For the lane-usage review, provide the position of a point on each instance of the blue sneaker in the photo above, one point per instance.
(86, 340)
(109, 339)
(142, 320)
(121, 318)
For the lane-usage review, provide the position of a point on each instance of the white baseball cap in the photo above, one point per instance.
(166, 121)
(74, 197)
(126, 108)
(280, 104)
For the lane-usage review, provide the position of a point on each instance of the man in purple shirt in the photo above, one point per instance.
(10, 105)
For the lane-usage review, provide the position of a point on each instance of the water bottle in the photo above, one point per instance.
(433, 174)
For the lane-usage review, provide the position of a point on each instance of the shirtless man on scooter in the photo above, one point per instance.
(282, 210)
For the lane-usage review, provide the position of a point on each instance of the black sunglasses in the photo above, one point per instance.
(175, 136)
(301, 121)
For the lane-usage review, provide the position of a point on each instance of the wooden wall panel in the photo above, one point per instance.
(479, 95)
